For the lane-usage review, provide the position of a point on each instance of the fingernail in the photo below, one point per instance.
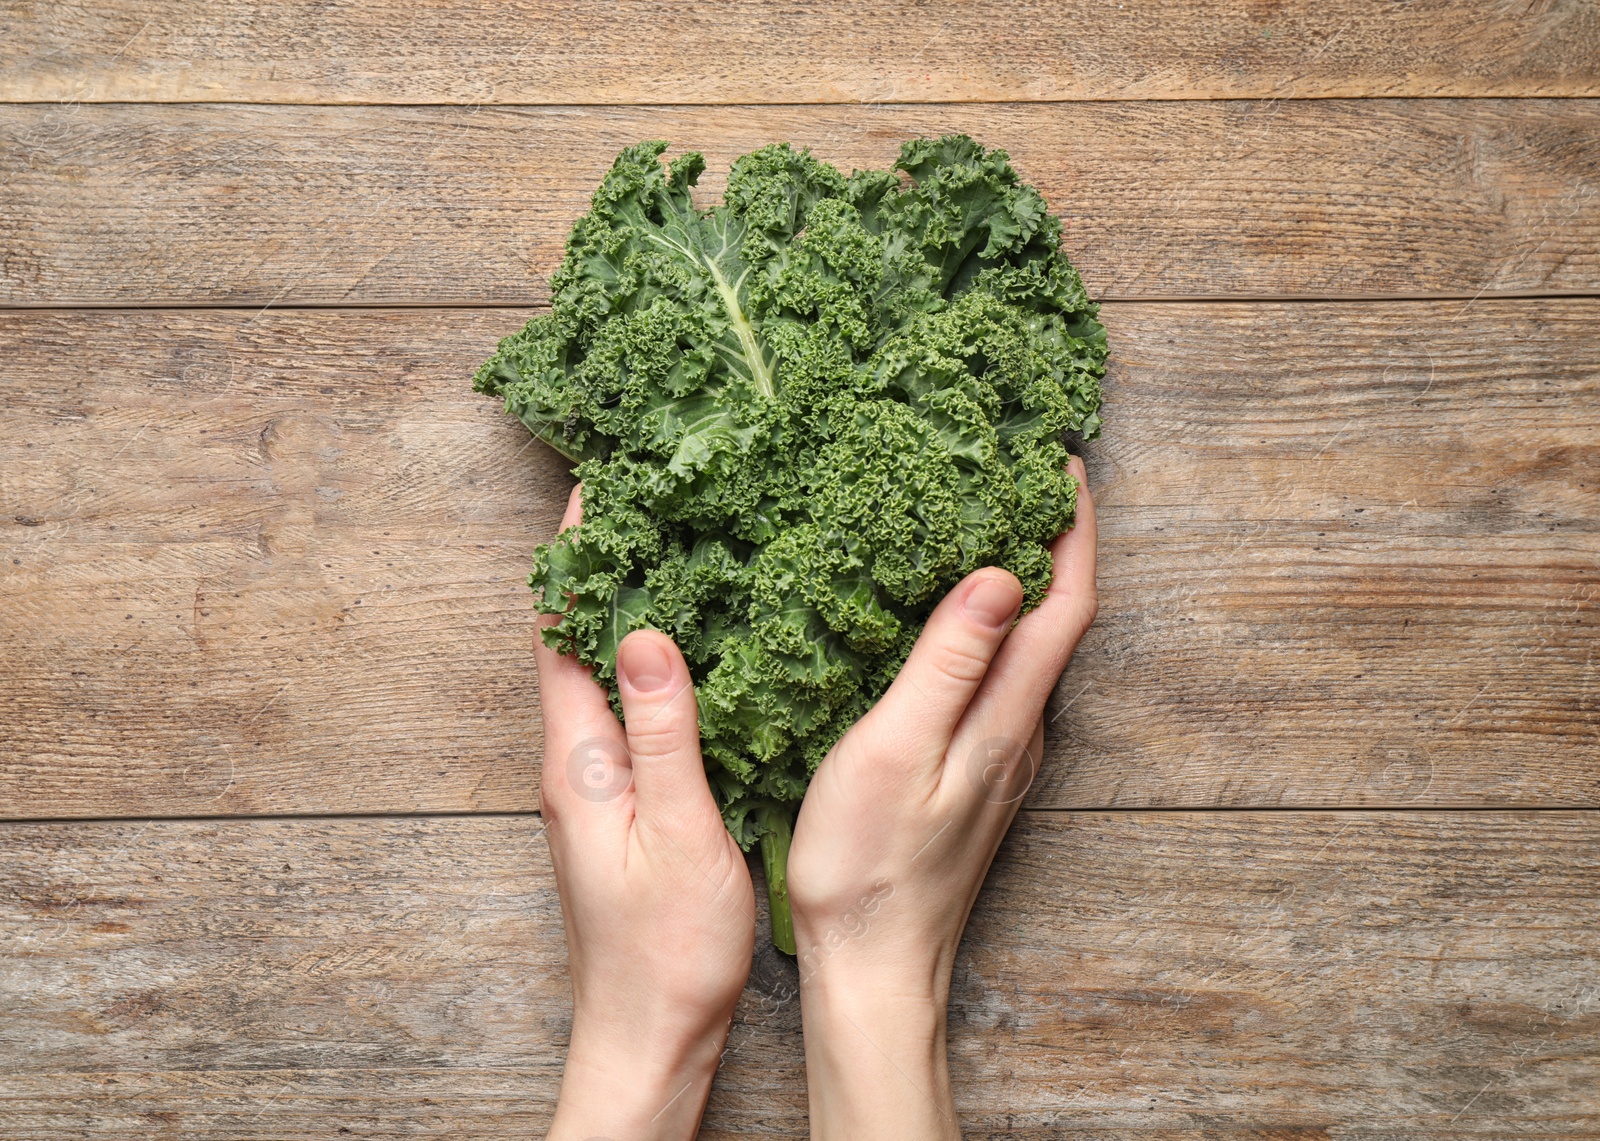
(991, 602)
(644, 665)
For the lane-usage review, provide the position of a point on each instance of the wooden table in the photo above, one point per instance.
(1315, 852)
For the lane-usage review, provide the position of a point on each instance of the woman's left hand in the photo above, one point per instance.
(657, 900)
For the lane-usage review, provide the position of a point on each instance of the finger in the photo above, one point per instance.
(663, 729)
(950, 659)
(585, 753)
(574, 512)
(1027, 667)
(996, 770)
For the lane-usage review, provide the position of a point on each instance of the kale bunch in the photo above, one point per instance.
(800, 417)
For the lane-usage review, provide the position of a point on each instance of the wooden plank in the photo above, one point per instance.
(248, 556)
(589, 51)
(1352, 542)
(1162, 975)
(272, 562)
(240, 205)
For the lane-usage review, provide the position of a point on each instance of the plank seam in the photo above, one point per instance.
(872, 104)
(1157, 299)
(1393, 809)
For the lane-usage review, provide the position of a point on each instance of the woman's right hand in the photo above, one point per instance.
(898, 829)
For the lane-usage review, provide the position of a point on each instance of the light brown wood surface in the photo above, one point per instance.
(274, 562)
(250, 205)
(262, 557)
(1177, 975)
(591, 51)
(256, 555)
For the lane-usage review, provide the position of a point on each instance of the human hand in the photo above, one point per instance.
(896, 833)
(655, 894)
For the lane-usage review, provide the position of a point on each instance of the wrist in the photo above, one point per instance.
(854, 964)
(633, 1087)
(876, 1061)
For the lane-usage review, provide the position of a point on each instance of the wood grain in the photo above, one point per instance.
(272, 562)
(249, 555)
(1353, 542)
(590, 51)
(242, 205)
(1160, 975)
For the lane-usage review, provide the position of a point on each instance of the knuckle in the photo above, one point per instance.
(964, 662)
(1088, 609)
(656, 732)
(1075, 609)
(550, 801)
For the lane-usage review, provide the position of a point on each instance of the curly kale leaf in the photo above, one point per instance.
(800, 417)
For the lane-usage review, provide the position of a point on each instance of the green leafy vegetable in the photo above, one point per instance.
(799, 418)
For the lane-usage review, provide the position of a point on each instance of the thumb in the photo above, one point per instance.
(663, 727)
(927, 698)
